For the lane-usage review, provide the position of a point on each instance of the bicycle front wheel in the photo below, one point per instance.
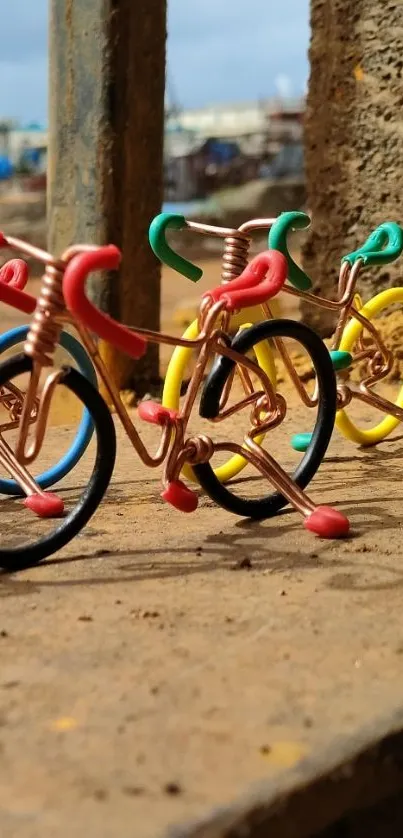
(350, 426)
(268, 505)
(25, 539)
(69, 460)
(174, 378)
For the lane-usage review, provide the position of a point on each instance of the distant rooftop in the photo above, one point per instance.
(12, 125)
(270, 105)
(31, 126)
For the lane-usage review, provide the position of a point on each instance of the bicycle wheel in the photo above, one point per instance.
(21, 555)
(265, 507)
(180, 359)
(85, 429)
(351, 334)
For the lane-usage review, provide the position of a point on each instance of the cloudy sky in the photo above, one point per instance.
(258, 50)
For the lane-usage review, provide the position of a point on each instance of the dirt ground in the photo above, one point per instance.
(160, 665)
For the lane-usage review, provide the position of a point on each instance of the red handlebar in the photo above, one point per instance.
(13, 278)
(15, 273)
(103, 259)
(262, 279)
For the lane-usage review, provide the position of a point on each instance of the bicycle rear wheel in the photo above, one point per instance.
(15, 552)
(268, 505)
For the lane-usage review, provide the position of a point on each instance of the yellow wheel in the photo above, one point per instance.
(180, 359)
(351, 334)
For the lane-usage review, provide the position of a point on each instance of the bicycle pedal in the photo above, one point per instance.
(156, 413)
(341, 360)
(327, 522)
(45, 505)
(180, 496)
(301, 442)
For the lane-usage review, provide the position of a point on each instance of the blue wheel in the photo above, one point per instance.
(85, 429)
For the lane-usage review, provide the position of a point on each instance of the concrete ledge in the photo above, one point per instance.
(352, 773)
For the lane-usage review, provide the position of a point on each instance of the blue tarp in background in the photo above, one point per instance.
(6, 168)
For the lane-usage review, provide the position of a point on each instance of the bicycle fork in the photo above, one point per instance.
(43, 504)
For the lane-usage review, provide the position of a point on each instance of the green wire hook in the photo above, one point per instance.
(157, 238)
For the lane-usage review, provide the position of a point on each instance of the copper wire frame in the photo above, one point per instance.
(175, 449)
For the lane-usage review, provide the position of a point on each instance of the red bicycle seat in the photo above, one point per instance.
(13, 278)
(261, 280)
(105, 258)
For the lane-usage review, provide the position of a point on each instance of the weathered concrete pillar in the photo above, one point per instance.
(353, 137)
(107, 74)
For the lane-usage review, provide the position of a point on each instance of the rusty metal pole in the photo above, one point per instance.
(107, 74)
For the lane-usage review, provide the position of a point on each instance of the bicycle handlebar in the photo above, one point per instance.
(15, 273)
(105, 258)
(384, 245)
(162, 250)
(277, 240)
(13, 278)
(261, 280)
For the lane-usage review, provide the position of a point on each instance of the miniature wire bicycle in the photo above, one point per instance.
(357, 342)
(235, 255)
(62, 299)
(13, 279)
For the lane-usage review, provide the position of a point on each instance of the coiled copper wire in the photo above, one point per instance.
(235, 256)
(44, 333)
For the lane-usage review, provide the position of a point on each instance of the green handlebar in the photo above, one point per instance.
(277, 240)
(156, 236)
(384, 245)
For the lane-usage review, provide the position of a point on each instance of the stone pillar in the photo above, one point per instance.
(353, 138)
(107, 75)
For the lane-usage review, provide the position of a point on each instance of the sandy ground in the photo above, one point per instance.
(159, 665)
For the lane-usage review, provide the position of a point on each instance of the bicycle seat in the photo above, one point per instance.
(261, 280)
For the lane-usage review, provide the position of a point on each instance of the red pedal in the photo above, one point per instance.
(156, 414)
(179, 496)
(45, 505)
(327, 522)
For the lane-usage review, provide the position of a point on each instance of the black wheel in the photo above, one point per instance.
(24, 555)
(265, 507)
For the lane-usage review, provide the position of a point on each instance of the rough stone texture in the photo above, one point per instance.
(107, 65)
(353, 137)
